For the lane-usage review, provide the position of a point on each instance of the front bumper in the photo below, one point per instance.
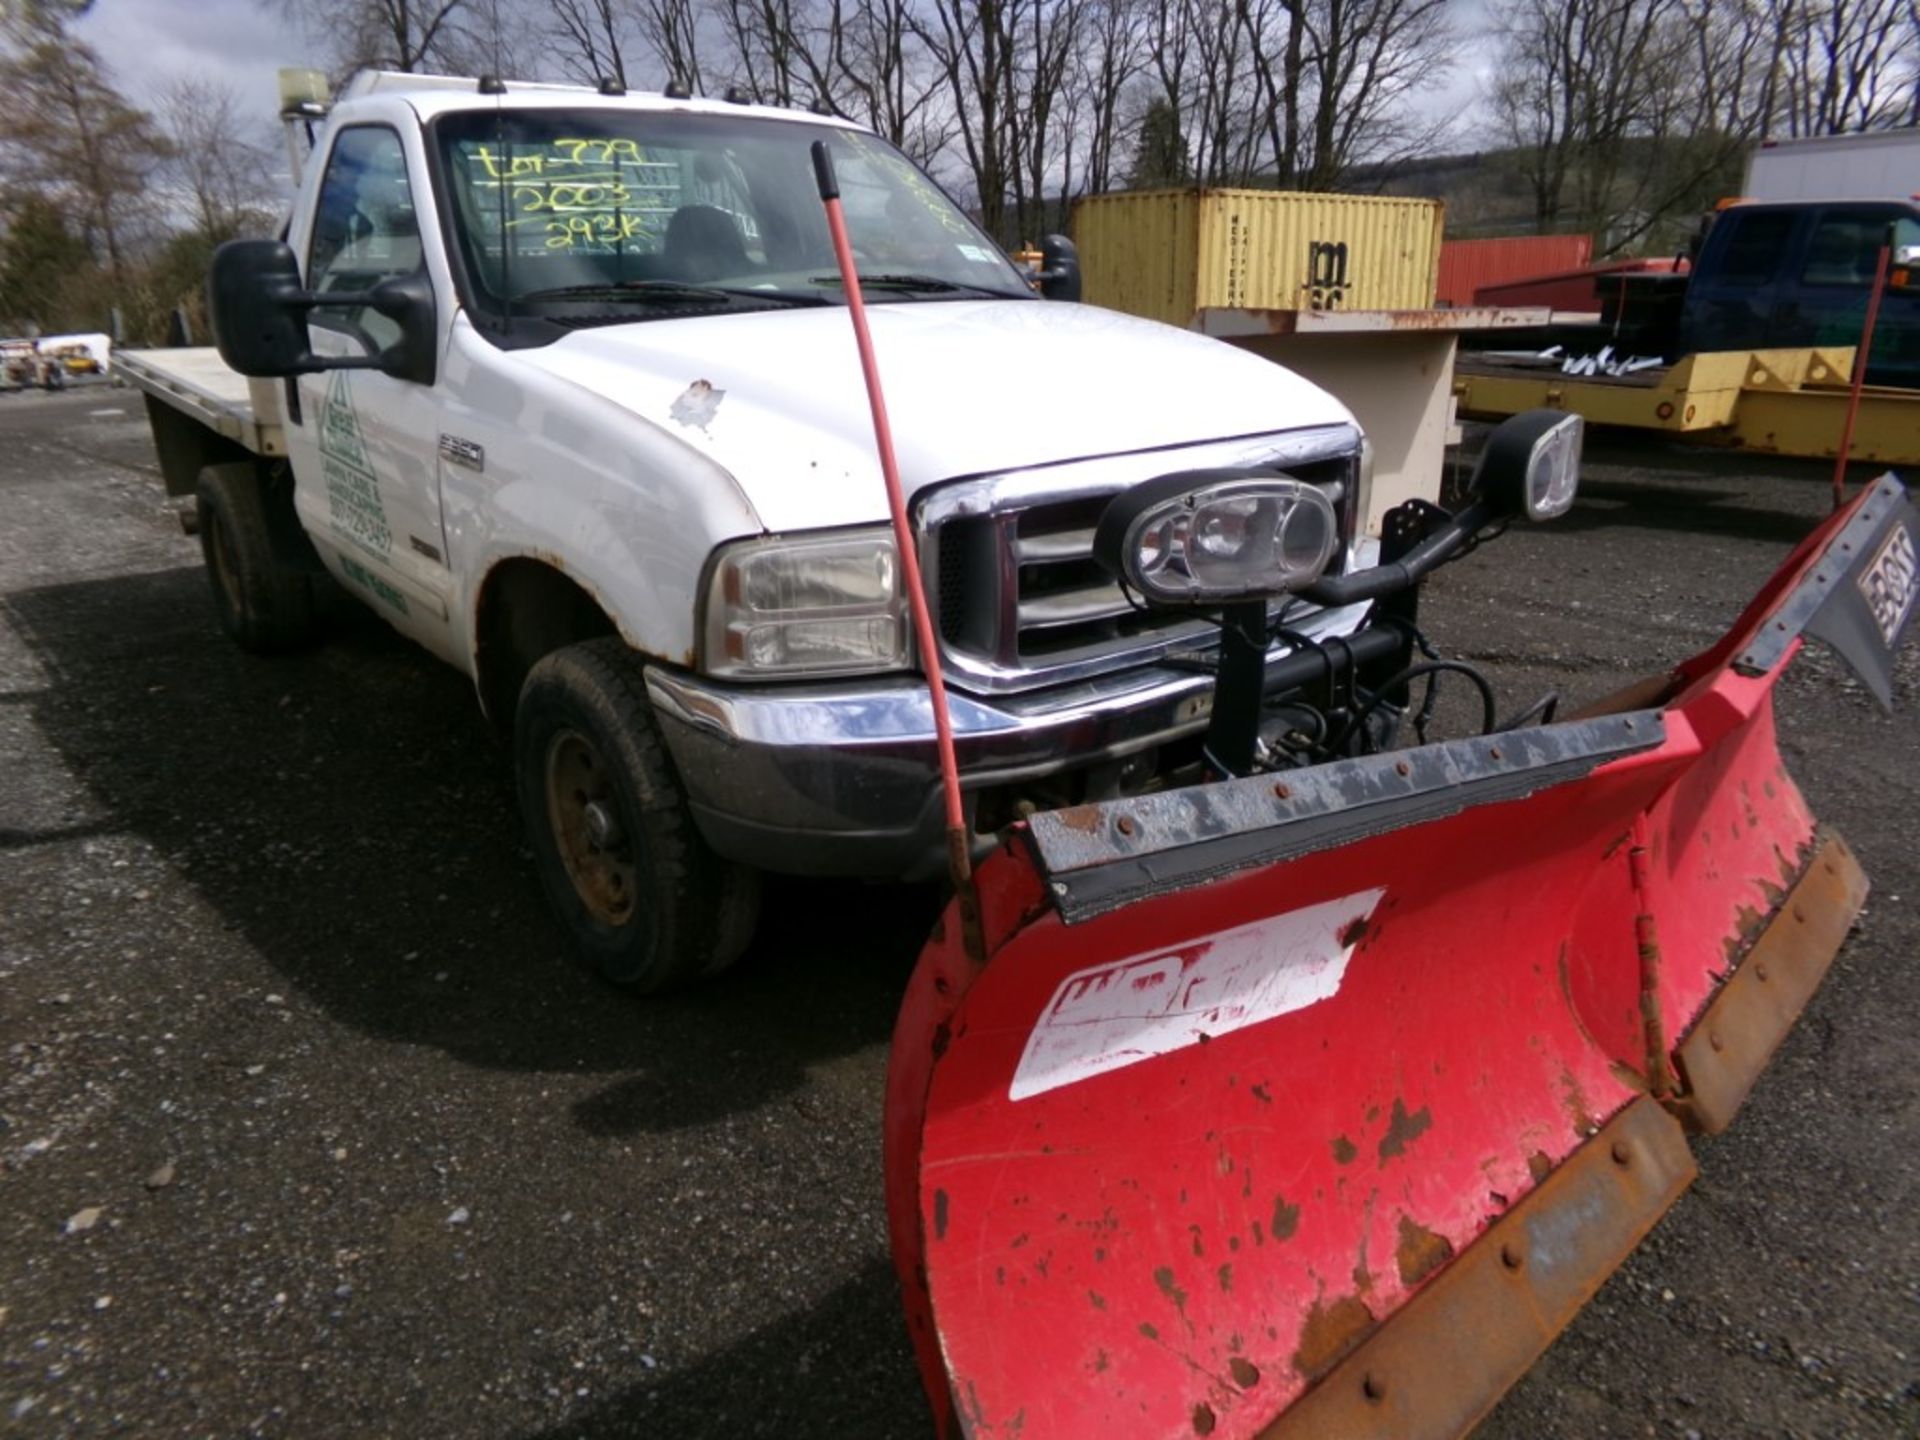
(843, 779)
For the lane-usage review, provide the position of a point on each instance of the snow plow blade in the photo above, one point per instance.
(1316, 1103)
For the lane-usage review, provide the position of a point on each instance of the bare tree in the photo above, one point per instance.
(228, 176)
(883, 76)
(591, 38)
(409, 35)
(672, 29)
(1847, 64)
(67, 137)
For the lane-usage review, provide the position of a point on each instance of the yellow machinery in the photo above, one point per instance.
(1778, 402)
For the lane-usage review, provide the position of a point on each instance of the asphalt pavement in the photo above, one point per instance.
(310, 1127)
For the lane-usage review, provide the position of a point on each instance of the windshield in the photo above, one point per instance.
(653, 213)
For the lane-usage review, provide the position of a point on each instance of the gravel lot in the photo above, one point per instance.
(308, 1127)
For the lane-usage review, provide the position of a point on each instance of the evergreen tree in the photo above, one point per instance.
(1160, 157)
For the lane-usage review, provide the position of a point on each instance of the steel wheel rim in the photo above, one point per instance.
(580, 795)
(226, 565)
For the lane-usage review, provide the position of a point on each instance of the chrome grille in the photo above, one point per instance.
(1021, 600)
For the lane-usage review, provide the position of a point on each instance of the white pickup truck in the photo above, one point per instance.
(561, 383)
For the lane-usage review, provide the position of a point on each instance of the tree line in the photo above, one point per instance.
(1615, 116)
(110, 210)
(1620, 117)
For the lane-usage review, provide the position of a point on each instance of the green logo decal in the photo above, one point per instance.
(353, 495)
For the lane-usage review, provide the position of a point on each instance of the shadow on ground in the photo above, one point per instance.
(349, 811)
(728, 1394)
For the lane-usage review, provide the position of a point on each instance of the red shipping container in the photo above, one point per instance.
(1468, 265)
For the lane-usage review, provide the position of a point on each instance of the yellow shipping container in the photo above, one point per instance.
(1166, 254)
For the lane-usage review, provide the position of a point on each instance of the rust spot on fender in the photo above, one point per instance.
(1355, 930)
(1539, 1165)
(1420, 1251)
(1286, 1218)
(1403, 1129)
(1203, 1421)
(939, 1214)
(1225, 1276)
(1150, 1332)
(1330, 1332)
(1343, 1150)
(1245, 1373)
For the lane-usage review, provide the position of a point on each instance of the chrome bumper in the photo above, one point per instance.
(842, 779)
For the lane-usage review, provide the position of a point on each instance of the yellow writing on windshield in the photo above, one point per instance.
(576, 193)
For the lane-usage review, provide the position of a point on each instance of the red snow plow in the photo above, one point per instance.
(1315, 1096)
(1315, 1102)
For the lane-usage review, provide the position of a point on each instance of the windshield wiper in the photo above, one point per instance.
(664, 291)
(928, 284)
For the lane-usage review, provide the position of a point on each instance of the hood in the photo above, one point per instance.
(973, 387)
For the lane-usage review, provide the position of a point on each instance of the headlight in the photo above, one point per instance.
(1204, 538)
(829, 604)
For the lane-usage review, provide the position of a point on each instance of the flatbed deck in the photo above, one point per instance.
(197, 382)
(1777, 402)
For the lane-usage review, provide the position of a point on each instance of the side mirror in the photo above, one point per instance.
(253, 302)
(1059, 268)
(1904, 271)
(1531, 466)
(259, 315)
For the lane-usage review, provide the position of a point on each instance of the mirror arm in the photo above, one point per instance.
(1402, 574)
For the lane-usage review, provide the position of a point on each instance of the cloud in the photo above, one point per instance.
(149, 44)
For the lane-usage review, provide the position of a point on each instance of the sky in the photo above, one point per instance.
(241, 43)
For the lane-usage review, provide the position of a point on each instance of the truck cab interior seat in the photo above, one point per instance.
(703, 243)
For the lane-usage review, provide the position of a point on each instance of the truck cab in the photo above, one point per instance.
(569, 396)
(1792, 274)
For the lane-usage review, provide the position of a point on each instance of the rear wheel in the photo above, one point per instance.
(644, 898)
(265, 605)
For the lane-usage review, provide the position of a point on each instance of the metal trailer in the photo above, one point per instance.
(1879, 165)
(1777, 402)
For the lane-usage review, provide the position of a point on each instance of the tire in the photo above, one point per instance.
(648, 904)
(265, 606)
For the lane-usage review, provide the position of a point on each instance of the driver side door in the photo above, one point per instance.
(365, 449)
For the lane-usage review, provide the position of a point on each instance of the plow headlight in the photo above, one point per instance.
(1191, 540)
(1531, 465)
(829, 604)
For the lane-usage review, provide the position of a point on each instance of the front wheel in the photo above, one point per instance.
(645, 899)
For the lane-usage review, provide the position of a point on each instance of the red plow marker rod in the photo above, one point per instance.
(958, 858)
(1859, 376)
